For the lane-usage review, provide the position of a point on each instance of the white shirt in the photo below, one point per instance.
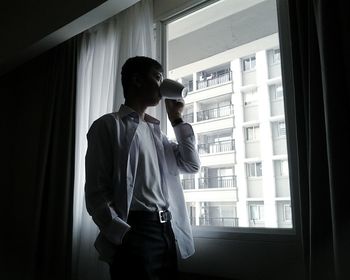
(148, 194)
(111, 169)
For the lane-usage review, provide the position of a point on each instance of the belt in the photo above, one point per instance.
(161, 216)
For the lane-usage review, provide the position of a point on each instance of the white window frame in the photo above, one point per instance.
(255, 168)
(249, 59)
(281, 132)
(287, 207)
(252, 236)
(259, 209)
(275, 60)
(274, 95)
(255, 133)
(283, 166)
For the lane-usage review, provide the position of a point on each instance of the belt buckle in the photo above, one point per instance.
(161, 219)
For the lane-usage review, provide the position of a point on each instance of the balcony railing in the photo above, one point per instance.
(220, 221)
(188, 184)
(217, 147)
(188, 118)
(215, 79)
(215, 113)
(217, 182)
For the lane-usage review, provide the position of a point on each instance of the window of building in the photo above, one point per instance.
(256, 212)
(281, 129)
(254, 169)
(276, 92)
(252, 133)
(284, 168)
(287, 213)
(248, 63)
(276, 58)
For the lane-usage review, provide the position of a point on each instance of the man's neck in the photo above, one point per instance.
(137, 107)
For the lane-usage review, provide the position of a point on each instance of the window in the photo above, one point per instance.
(218, 213)
(287, 213)
(276, 58)
(248, 63)
(281, 129)
(254, 169)
(284, 170)
(256, 212)
(223, 76)
(276, 92)
(252, 133)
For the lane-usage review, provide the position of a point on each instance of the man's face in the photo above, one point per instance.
(149, 91)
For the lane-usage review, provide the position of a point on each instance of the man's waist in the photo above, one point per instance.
(160, 216)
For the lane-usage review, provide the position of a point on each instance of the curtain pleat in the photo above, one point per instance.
(39, 111)
(321, 62)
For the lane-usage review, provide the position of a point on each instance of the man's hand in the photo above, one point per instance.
(174, 109)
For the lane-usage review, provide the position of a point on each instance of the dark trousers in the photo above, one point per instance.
(148, 252)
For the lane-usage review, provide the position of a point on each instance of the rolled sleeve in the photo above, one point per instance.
(185, 149)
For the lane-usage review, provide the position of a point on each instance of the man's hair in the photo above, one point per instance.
(140, 65)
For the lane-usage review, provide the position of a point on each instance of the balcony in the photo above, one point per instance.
(217, 147)
(215, 113)
(217, 182)
(215, 78)
(220, 221)
(188, 184)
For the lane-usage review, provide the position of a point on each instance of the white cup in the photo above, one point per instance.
(171, 89)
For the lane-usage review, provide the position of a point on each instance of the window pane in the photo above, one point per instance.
(252, 62)
(246, 64)
(227, 54)
(250, 133)
(258, 169)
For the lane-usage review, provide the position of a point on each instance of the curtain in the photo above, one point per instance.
(102, 52)
(321, 59)
(37, 124)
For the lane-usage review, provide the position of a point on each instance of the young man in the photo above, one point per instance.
(133, 190)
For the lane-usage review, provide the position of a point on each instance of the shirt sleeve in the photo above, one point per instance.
(185, 149)
(98, 184)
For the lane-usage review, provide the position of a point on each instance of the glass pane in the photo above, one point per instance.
(213, 51)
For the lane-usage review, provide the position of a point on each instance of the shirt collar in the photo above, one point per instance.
(127, 111)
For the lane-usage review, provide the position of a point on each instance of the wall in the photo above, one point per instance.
(28, 28)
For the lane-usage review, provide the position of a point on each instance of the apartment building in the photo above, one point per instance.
(235, 105)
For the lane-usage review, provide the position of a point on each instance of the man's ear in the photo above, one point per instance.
(136, 80)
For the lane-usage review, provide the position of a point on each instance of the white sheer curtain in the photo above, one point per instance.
(103, 51)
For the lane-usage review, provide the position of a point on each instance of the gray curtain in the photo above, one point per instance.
(37, 148)
(321, 69)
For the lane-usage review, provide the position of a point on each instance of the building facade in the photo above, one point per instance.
(235, 105)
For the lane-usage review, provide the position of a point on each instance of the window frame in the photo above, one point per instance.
(275, 97)
(255, 128)
(248, 169)
(260, 209)
(247, 233)
(287, 205)
(281, 132)
(250, 63)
